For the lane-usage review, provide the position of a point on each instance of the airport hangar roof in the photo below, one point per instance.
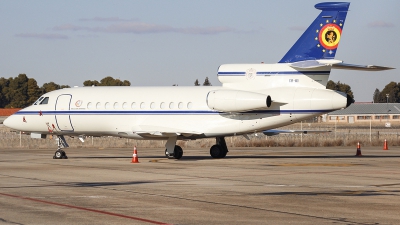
(369, 108)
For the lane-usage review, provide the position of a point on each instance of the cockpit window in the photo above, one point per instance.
(45, 101)
(37, 101)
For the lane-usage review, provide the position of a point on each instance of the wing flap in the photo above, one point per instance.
(162, 131)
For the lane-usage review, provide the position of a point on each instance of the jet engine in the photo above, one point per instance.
(237, 101)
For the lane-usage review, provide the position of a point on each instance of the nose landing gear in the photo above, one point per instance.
(61, 143)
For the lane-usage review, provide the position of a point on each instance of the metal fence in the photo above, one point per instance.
(342, 137)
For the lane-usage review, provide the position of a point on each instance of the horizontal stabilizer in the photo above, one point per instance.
(275, 132)
(309, 64)
(336, 64)
(346, 66)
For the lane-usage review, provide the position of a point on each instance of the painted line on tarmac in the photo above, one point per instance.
(83, 208)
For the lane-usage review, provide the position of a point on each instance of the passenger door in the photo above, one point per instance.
(62, 113)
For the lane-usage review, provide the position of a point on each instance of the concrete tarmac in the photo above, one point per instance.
(249, 186)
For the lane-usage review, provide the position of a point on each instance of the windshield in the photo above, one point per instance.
(37, 101)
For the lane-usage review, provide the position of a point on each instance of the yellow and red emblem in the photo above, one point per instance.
(329, 36)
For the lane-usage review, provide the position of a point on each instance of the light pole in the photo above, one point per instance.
(387, 99)
(387, 107)
(388, 110)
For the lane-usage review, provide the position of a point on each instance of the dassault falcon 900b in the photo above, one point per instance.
(252, 98)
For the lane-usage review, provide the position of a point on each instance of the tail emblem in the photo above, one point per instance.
(329, 36)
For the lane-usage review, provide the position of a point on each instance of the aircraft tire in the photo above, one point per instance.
(178, 152)
(59, 154)
(216, 151)
(223, 153)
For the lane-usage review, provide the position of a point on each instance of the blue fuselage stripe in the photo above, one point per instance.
(276, 73)
(155, 112)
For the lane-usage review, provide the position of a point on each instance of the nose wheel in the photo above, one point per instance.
(62, 143)
(60, 154)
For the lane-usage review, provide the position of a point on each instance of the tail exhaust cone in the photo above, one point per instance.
(269, 101)
(350, 101)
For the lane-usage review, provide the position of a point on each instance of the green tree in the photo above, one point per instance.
(340, 87)
(51, 86)
(207, 82)
(393, 90)
(91, 83)
(196, 83)
(376, 95)
(17, 92)
(107, 81)
(2, 98)
(47, 87)
(34, 91)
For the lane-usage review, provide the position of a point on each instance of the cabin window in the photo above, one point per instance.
(107, 105)
(162, 105)
(133, 105)
(180, 105)
(152, 105)
(171, 105)
(89, 105)
(142, 105)
(45, 101)
(125, 105)
(116, 105)
(190, 105)
(98, 105)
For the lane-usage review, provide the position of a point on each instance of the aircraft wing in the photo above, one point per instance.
(336, 64)
(158, 131)
(275, 132)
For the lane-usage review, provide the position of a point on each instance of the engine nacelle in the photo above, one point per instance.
(237, 101)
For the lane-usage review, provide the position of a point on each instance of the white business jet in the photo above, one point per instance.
(253, 98)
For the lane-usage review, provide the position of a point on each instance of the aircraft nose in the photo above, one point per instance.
(10, 122)
(6, 122)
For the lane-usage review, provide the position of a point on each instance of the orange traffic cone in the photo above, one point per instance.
(135, 158)
(385, 147)
(358, 149)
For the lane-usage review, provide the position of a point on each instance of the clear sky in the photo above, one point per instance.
(153, 43)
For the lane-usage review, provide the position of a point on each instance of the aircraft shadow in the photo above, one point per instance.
(197, 158)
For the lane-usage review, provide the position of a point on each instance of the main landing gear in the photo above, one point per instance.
(177, 154)
(217, 151)
(173, 151)
(61, 143)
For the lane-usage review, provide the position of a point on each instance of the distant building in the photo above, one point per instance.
(4, 113)
(365, 112)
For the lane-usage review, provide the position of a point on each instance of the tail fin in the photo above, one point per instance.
(321, 39)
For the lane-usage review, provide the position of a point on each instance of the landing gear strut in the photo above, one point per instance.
(220, 149)
(173, 151)
(61, 143)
